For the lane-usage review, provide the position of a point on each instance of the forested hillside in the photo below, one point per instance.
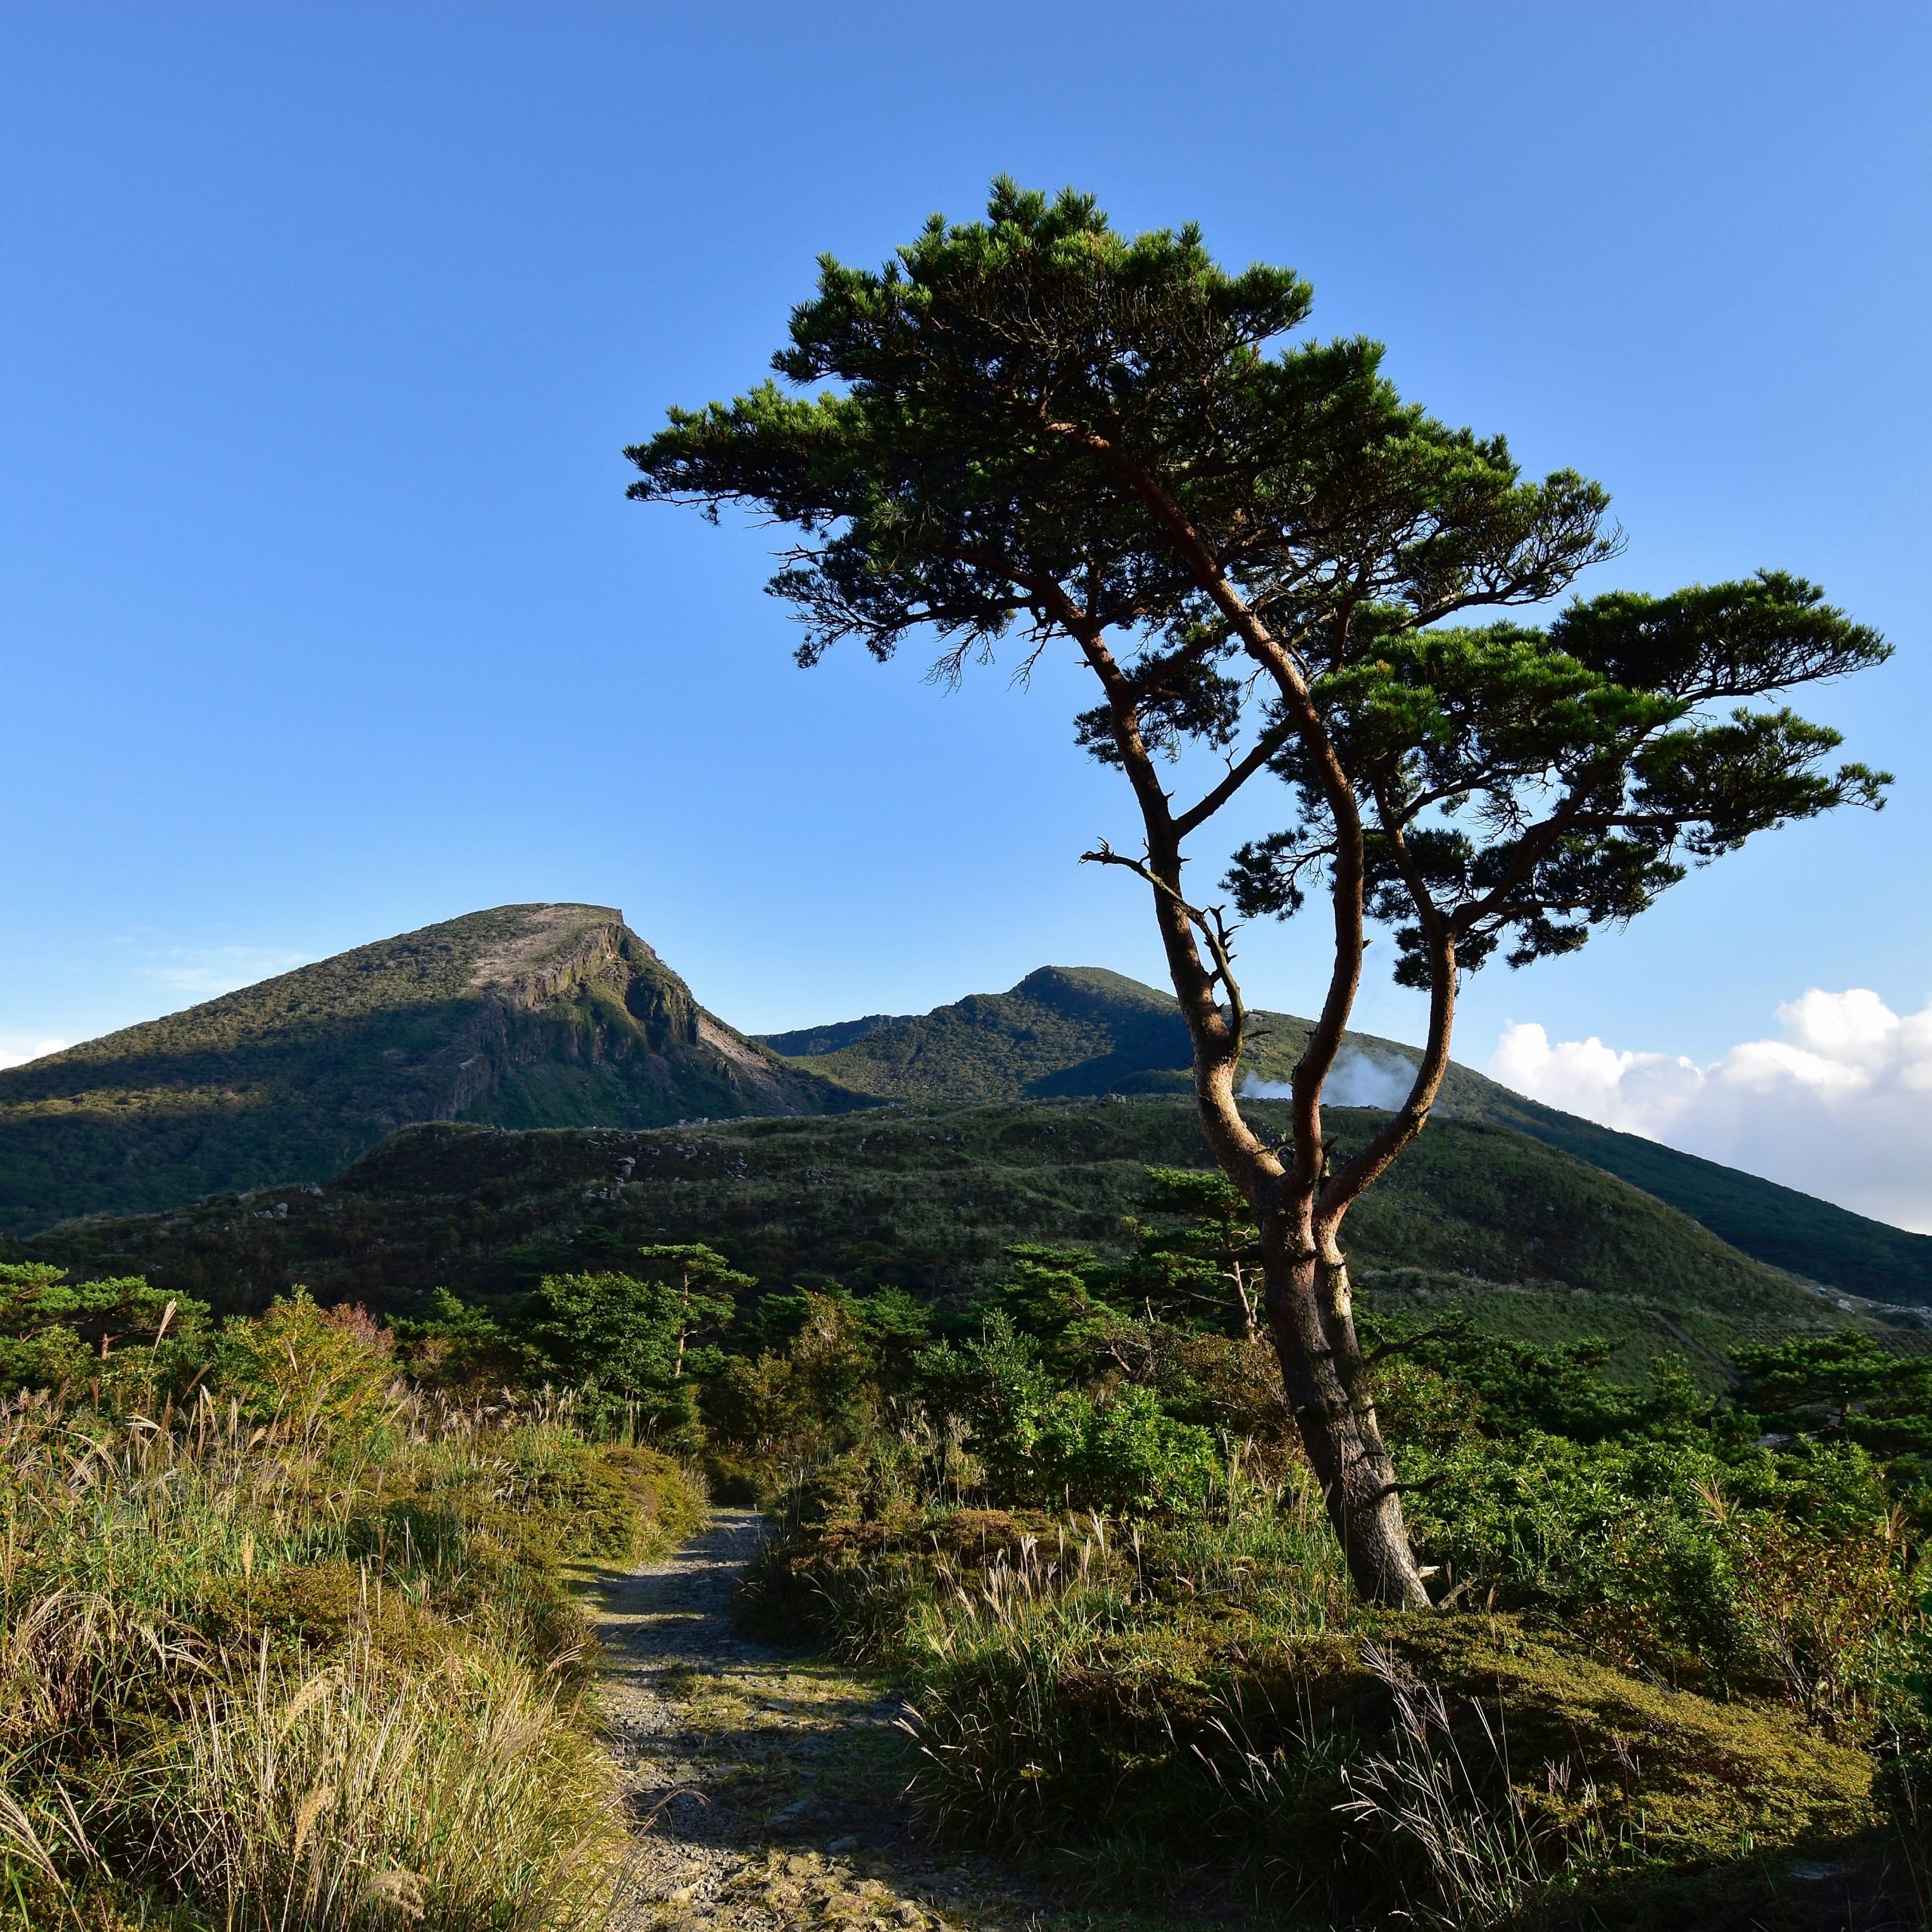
(929, 1201)
(1072, 1030)
(527, 1016)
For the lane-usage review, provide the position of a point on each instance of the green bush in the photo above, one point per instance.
(1775, 1576)
(114, 1336)
(1126, 1455)
(635, 1340)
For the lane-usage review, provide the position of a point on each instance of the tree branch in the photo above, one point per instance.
(1212, 924)
(1198, 814)
(1536, 843)
(1346, 890)
(1355, 1175)
(1406, 1344)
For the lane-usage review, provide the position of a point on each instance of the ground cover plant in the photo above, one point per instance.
(285, 1638)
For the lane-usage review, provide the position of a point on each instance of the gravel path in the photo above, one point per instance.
(764, 1783)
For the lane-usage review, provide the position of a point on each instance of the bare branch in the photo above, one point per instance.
(1239, 773)
(1404, 1345)
(1210, 922)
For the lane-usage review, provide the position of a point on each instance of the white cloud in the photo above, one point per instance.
(17, 1049)
(1840, 1106)
(1357, 1079)
(203, 972)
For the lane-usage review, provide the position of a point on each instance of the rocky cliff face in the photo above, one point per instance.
(527, 1016)
(592, 1027)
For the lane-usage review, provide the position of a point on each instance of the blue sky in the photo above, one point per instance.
(323, 326)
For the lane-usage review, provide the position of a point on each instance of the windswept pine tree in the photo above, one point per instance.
(1033, 429)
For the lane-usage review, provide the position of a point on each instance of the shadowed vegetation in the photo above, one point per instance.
(1534, 1242)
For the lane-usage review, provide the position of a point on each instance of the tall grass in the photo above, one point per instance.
(353, 1796)
(305, 1663)
(1488, 1852)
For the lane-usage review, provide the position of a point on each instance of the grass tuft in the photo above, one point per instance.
(315, 1667)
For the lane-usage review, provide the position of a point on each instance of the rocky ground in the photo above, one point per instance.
(765, 1785)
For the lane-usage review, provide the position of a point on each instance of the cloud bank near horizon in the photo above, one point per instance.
(1839, 1106)
(15, 1050)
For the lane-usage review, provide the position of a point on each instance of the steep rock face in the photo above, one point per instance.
(527, 1016)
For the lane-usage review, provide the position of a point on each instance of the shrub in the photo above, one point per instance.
(1060, 1721)
(1158, 1697)
(634, 1339)
(326, 1370)
(110, 1335)
(1126, 1454)
(1779, 1577)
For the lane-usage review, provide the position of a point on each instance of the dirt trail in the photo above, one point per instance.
(764, 1783)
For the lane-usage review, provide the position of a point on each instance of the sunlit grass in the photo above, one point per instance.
(277, 1673)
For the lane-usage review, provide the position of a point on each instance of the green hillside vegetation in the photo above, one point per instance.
(983, 1366)
(1535, 1242)
(1061, 1031)
(289, 1639)
(559, 1015)
(1082, 1030)
(1069, 1030)
(1810, 1238)
(808, 1041)
(527, 1016)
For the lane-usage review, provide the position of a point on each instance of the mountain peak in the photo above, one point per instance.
(1062, 1030)
(1090, 986)
(549, 1015)
(516, 941)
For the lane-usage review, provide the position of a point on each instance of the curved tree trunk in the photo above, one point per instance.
(1323, 1373)
(1312, 1326)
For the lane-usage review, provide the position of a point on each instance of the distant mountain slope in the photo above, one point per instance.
(528, 1016)
(829, 1039)
(560, 1016)
(1064, 1031)
(1475, 1218)
(1811, 1237)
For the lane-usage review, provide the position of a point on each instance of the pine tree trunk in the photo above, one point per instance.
(1312, 1325)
